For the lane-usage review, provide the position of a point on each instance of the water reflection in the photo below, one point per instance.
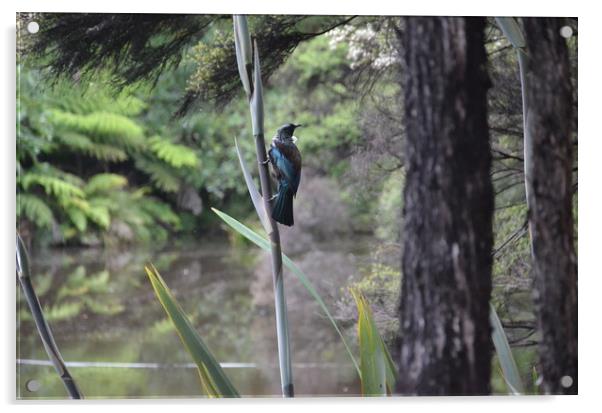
(102, 310)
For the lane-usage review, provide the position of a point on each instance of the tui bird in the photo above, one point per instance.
(286, 163)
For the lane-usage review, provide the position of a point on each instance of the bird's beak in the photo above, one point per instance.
(298, 126)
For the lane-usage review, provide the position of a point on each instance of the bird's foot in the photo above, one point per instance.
(267, 161)
(273, 197)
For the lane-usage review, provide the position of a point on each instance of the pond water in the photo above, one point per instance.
(116, 339)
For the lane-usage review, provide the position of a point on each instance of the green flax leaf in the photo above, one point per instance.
(504, 354)
(213, 378)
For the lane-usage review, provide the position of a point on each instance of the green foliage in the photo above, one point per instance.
(82, 144)
(380, 283)
(329, 110)
(162, 176)
(504, 354)
(210, 57)
(69, 184)
(378, 372)
(54, 183)
(175, 155)
(388, 225)
(107, 127)
(86, 128)
(34, 209)
(214, 380)
(104, 182)
(318, 62)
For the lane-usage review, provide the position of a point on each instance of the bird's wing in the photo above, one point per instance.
(282, 164)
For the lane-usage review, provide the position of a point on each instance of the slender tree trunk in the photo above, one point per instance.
(549, 106)
(448, 208)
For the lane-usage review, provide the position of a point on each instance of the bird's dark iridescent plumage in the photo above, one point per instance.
(286, 163)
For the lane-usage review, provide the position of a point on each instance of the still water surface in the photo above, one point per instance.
(110, 327)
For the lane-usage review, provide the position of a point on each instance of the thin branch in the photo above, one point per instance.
(331, 28)
(509, 186)
(515, 235)
(506, 155)
(44, 331)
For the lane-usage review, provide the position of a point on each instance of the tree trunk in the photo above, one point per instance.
(448, 208)
(549, 106)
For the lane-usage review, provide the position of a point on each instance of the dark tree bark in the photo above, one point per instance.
(448, 208)
(549, 110)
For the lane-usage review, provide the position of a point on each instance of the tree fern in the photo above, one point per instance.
(105, 182)
(95, 98)
(81, 143)
(109, 127)
(29, 145)
(34, 209)
(176, 155)
(44, 168)
(89, 128)
(52, 185)
(78, 218)
(99, 215)
(163, 176)
(160, 212)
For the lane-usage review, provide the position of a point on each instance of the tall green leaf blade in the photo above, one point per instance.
(253, 192)
(372, 360)
(391, 369)
(242, 43)
(378, 372)
(265, 245)
(512, 31)
(504, 354)
(213, 378)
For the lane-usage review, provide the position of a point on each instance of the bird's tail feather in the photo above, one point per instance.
(282, 210)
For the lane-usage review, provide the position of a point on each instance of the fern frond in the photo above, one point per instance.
(95, 97)
(105, 182)
(176, 155)
(110, 203)
(78, 218)
(52, 185)
(109, 127)
(44, 168)
(126, 105)
(162, 176)
(78, 203)
(99, 215)
(81, 143)
(99, 100)
(161, 212)
(30, 145)
(34, 209)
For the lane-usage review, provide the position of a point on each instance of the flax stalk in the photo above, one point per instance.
(254, 90)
